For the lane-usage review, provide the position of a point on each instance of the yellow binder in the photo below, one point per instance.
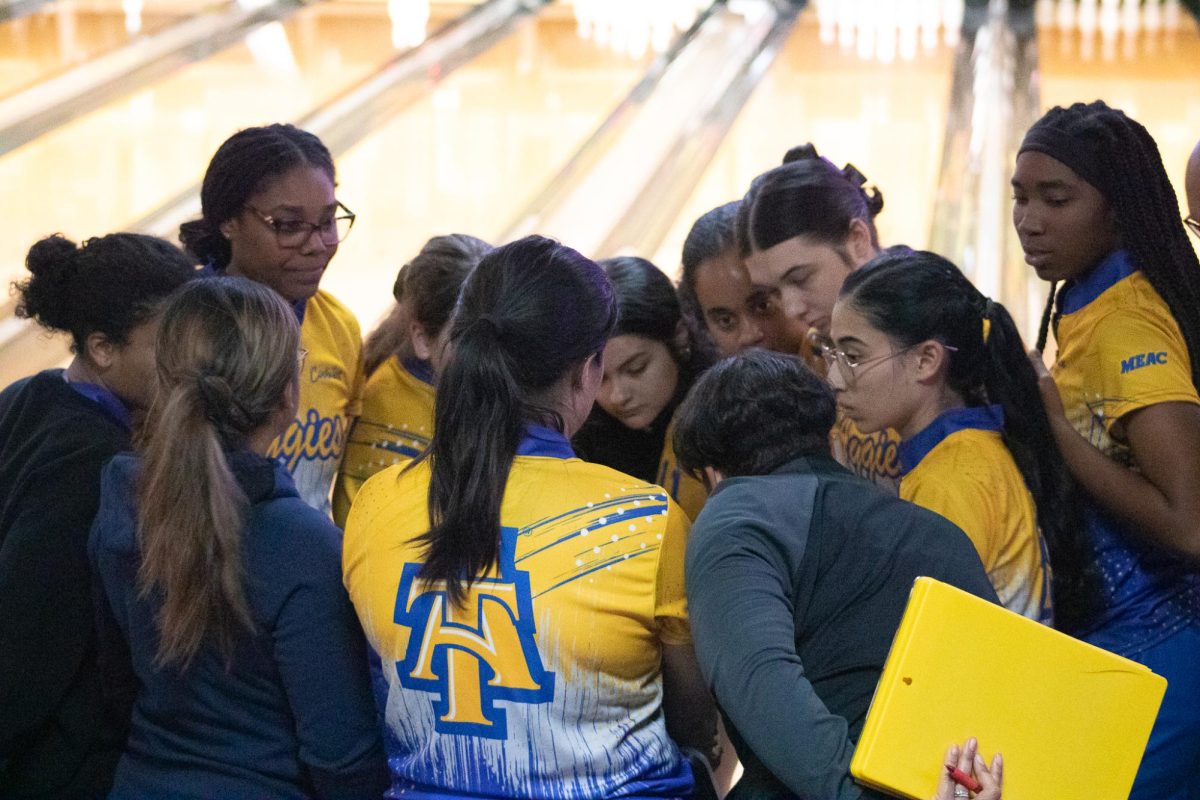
(1071, 720)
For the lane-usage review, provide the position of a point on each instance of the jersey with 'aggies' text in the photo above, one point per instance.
(546, 682)
(869, 455)
(331, 379)
(396, 425)
(1121, 350)
(960, 468)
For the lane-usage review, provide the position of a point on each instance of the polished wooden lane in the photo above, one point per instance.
(472, 154)
(1143, 59)
(881, 108)
(112, 166)
(66, 33)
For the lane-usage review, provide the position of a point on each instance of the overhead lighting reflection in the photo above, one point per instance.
(133, 16)
(271, 50)
(410, 22)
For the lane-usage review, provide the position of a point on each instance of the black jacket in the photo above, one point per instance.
(796, 582)
(58, 737)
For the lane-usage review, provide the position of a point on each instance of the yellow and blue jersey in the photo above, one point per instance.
(1121, 350)
(546, 682)
(684, 489)
(396, 425)
(959, 467)
(874, 456)
(331, 381)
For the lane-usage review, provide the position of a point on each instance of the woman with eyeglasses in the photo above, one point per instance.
(248, 667)
(269, 213)
(650, 362)
(918, 349)
(1094, 210)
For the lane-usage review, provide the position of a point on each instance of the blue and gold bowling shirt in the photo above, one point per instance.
(331, 379)
(395, 426)
(1121, 350)
(546, 682)
(959, 467)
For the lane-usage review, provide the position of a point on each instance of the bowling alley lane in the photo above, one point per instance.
(66, 33)
(865, 85)
(471, 155)
(1142, 58)
(113, 166)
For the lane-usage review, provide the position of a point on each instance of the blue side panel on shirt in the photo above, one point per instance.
(1149, 593)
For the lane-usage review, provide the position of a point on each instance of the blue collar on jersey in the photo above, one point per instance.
(109, 403)
(984, 418)
(210, 270)
(420, 369)
(546, 442)
(1077, 294)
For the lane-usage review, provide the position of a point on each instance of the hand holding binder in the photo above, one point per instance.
(1037, 695)
(986, 781)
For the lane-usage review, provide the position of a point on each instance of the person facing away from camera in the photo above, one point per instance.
(798, 573)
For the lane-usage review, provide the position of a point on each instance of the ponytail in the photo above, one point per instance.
(1011, 382)
(204, 240)
(191, 513)
(915, 297)
(226, 356)
(529, 314)
(469, 470)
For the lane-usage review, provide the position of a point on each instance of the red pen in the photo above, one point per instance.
(963, 779)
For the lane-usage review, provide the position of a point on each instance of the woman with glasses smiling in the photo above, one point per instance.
(269, 213)
(918, 349)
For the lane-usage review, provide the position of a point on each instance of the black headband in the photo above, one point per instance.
(1080, 155)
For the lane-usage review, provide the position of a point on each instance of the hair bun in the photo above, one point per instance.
(205, 243)
(53, 264)
(803, 152)
(54, 257)
(874, 199)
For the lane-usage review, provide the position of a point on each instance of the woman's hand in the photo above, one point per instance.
(1051, 399)
(969, 761)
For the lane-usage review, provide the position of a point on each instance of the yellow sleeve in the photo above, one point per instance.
(1142, 361)
(359, 380)
(670, 595)
(344, 490)
(964, 502)
(361, 516)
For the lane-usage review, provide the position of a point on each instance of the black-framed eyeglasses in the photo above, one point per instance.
(292, 233)
(1193, 225)
(850, 367)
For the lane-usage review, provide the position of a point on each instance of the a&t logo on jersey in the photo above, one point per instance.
(472, 655)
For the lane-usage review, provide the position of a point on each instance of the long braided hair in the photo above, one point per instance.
(1145, 210)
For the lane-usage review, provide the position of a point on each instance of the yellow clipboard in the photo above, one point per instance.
(1070, 719)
